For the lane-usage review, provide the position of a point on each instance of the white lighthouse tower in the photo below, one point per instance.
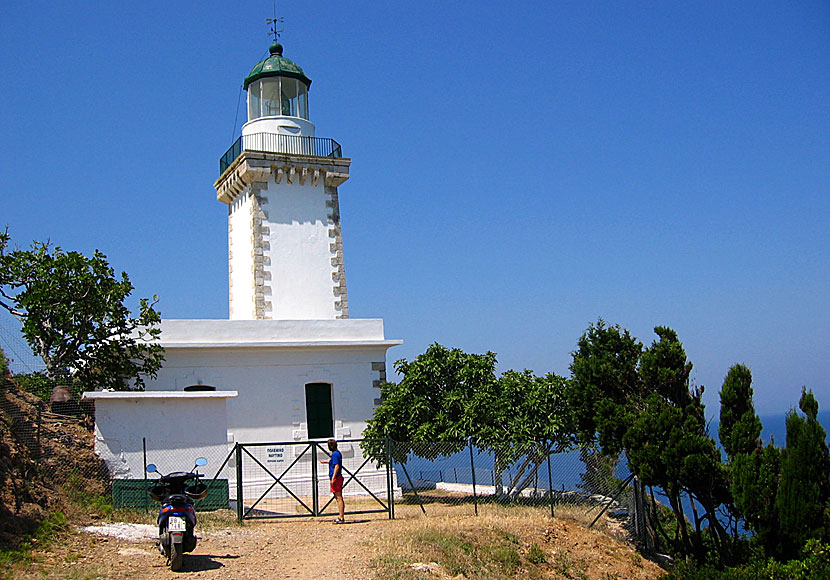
(285, 251)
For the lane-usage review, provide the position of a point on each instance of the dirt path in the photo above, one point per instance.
(308, 549)
(302, 549)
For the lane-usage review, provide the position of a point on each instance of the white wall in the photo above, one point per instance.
(271, 385)
(299, 250)
(268, 363)
(275, 126)
(253, 333)
(178, 427)
(241, 259)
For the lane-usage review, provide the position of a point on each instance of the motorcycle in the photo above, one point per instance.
(177, 492)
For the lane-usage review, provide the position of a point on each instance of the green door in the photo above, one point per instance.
(318, 410)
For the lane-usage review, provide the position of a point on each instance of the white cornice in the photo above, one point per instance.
(304, 345)
(110, 395)
(254, 166)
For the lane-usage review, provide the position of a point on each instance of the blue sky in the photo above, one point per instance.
(518, 170)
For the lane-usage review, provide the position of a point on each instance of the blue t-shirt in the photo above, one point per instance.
(336, 459)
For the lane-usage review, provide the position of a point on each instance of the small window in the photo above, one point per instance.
(318, 411)
(303, 101)
(271, 97)
(253, 101)
(289, 97)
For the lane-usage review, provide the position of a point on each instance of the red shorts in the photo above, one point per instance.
(337, 485)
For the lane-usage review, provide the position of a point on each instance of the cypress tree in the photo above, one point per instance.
(739, 426)
(752, 470)
(804, 487)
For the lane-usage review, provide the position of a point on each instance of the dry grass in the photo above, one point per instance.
(506, 543)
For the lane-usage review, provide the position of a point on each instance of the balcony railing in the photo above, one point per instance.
(275, 143)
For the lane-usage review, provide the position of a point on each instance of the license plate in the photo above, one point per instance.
(176, 524)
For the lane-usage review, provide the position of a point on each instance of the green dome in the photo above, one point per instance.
(276, 65)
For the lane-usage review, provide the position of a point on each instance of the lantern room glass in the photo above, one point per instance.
(277, 97)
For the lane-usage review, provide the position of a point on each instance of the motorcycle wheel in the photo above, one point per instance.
(176, 556)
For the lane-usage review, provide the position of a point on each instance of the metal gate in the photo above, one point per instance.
(286, 479)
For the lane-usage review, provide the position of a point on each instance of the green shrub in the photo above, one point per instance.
(36, 383)
(535, 555)
(42, 536)
(4, 365)
(76, 492)
(814, 565)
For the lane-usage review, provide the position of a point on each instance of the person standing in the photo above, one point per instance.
(336, 479)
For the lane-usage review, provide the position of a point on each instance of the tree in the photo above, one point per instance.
(447, 396)
(804, 488)
(669, 445)
(754, 479)
(431, 402)
(753, 469)
(523, 419)
(641, 402)
(604, 381)
(74, 318)
(739, 427)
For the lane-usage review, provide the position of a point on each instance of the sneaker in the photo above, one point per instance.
(339, 521)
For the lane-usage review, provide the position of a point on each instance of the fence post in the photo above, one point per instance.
(640, 515)
(315, 495)
(550, 483)
(612, 500)
(473, 470)
(39, 423)
(638, 530)
(390, 492)
(239, 498)
(146, 487)
(412, 487)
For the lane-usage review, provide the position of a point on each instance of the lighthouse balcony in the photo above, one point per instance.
(280, 143)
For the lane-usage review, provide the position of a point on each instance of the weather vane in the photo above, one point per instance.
(274, 22)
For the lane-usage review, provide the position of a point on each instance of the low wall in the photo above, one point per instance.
(170, 429)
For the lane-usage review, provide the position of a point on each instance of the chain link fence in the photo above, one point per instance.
(103, 473)
(284, 479)
(537, 473)
(461, 477)
(127, 462)
(54, 433)
(278, 479)
(52, 448)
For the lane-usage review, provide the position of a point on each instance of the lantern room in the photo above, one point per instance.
(277, 97)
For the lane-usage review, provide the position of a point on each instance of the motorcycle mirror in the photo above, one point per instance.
(201, 461)
(151, 468)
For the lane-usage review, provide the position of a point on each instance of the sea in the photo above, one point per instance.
(566, 468)
(776, 426)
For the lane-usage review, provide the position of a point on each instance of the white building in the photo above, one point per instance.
(289, 363)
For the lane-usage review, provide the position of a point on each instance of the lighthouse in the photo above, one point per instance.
(280, 184)
(289, 368)
(298, 365)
